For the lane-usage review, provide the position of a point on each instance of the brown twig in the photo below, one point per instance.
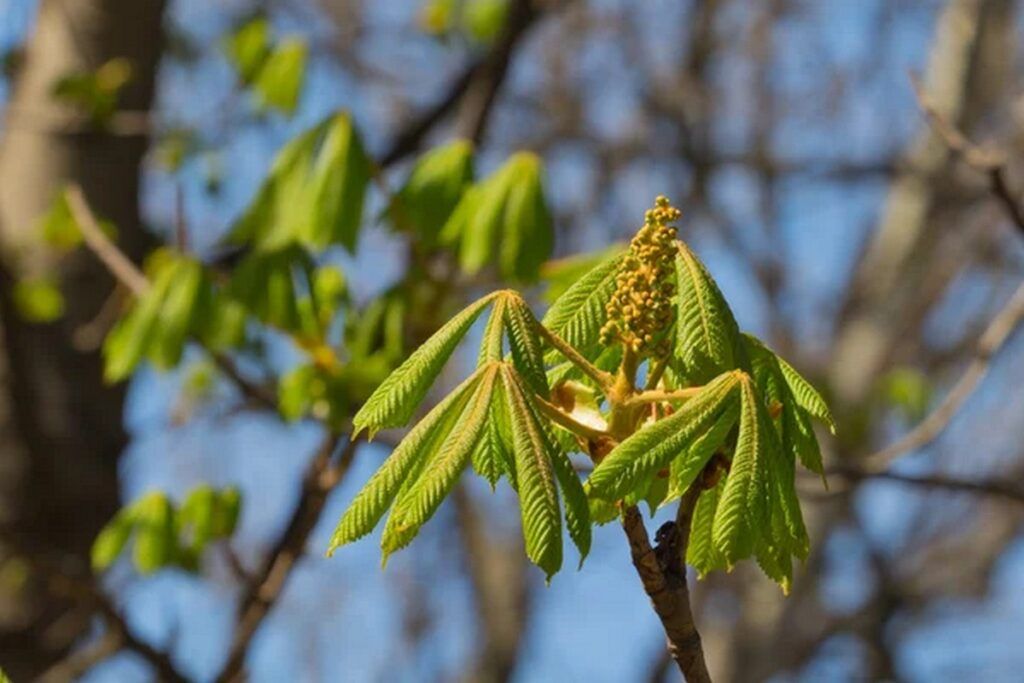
(119, 265)
(483, 89)
(321, 477)
(662, 571)
(129, 275)
(83, 590)
(81, 661)
(484, 75)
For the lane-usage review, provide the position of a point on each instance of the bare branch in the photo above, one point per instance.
(984, 487)
(663, 575)
(129, 275)
(83, 590)
(321, 477)
(1008, 319)
(989, 162)
(119, 265)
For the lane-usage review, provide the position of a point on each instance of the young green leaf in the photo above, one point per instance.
(395, 400)
(265, 283)
(339, 182)
(525, 346)
(742, 512)
(578, 315)
(440, 472)
(504, 220)
(435, 185)
(279, 80)
(155, 542)
(134, 335)
(528, 237)
(112, 539)
(38, 299)
(492, 456)
(577, 510)
(492, 347)
(797, 434)
(807, 397)
(701, 552)
(558, 275)
(689, 464)
(653, 447)
(325, 171)
(227, 512)
(247, 48)
(707, 336)
(380, 491)
(178, 312)
(538, 493)
(195, 519)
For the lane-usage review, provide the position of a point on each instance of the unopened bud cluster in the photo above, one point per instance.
(641, 307)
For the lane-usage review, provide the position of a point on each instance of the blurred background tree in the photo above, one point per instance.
(869, 243)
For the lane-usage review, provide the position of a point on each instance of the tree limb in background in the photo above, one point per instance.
(989, 162)
(1006, 321)
(322, 476)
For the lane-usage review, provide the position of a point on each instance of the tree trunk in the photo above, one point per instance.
(60, 427)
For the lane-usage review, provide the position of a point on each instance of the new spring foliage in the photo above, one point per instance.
(720, 412)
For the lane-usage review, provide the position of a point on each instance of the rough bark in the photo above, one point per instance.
(60, 427)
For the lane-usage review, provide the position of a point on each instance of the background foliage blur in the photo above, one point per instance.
(838, 222)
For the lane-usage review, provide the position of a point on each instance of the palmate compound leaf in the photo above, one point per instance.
(439, 472)
(578, 314)
(701, 553)
(325, 171)
(707, 337)
(653, 447)
(535, 476)
(742, 513)
(396, 399)
(504, 220)
(405, 461)
(433, 190)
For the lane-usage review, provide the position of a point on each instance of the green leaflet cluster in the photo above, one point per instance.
(181, 302)
(720, 412)
(273, 69)
(503, 220)
(491, 422)
(325, 171)
(163, 534)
